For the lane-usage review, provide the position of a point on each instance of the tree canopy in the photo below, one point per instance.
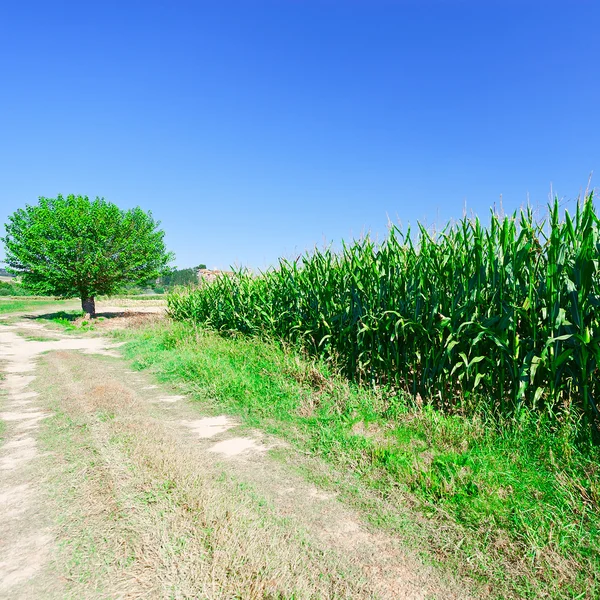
(74, 247)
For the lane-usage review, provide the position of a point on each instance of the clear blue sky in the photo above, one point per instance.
(256, 129)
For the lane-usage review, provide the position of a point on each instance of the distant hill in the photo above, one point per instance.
(5, 274)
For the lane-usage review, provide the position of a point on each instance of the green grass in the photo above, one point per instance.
(15, 305)
(40, 338)
(512, 505)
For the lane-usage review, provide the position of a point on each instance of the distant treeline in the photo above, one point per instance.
(169, 280)
(181, 277)
(12, 288)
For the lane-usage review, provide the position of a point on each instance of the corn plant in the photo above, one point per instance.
(508, 313)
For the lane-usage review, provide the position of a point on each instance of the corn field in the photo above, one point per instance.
(508, 313)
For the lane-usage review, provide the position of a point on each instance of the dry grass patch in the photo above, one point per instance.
(124, 320)
(144, 515)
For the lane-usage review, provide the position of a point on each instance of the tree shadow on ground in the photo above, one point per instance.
(61, 314)
(75, 315)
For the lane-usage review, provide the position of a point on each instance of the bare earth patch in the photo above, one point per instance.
(209, 426)
(237, 445)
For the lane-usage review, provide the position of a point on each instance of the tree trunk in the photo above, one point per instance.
(89, 306)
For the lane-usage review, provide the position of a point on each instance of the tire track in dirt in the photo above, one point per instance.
(26, 539)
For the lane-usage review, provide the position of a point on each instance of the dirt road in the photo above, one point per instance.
(114, 487)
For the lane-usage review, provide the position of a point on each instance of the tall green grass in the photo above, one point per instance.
(508, 313)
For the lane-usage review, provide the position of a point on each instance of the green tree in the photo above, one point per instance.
(180, 277)
(76, 248)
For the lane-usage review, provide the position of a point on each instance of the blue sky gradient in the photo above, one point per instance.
(257, 129)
